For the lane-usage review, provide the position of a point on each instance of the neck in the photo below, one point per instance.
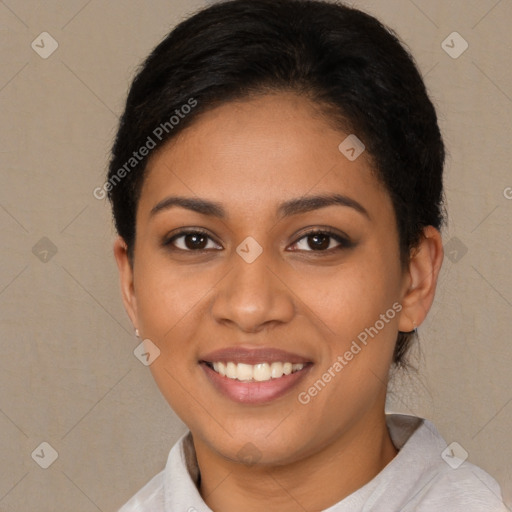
(316, 482)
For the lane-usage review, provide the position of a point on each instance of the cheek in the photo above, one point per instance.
(355, 311)
(170, 303)
(353, 307)
(350, 298)
(166, 295)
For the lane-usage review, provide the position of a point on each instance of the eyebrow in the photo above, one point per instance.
(286, 209)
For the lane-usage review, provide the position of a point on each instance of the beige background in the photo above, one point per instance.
(68, 375)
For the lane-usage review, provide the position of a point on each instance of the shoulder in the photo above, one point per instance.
(165, 491)
(465, 489)
(148, 499)
(437, 479)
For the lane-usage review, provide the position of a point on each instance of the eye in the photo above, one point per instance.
(322, 241)
(191, 240)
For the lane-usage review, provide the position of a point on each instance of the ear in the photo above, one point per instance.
(126, 277)
(421, 279)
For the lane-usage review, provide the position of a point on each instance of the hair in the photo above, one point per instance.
(353, 68)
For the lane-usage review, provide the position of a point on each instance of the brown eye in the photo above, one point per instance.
(191, 241)
(318, 241)
(321, 241)
(195, 241)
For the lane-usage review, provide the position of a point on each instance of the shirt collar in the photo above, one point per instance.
(182, 474)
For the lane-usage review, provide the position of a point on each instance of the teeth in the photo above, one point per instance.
(260, 372)
(244, 372)
(276, 370)
(231, 371)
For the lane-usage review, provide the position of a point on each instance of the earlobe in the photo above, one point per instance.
(423, 271)
(125, 268)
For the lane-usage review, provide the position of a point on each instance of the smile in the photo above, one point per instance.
(260, 372)
(254, 375)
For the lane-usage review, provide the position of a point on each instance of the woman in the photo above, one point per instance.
(276, 184)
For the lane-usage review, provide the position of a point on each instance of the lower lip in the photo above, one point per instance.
(254, 392)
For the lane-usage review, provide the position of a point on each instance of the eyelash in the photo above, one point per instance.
(344, 243)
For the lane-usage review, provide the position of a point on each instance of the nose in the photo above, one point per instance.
(252, 296)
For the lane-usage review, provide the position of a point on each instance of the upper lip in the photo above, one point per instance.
(252, 356)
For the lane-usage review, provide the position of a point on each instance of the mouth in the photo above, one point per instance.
(254, 376)
(261, 372)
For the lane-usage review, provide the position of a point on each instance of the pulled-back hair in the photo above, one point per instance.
(353, 68)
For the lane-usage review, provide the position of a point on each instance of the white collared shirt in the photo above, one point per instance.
(418, 479)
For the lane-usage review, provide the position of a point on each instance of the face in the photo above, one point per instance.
(259, 244)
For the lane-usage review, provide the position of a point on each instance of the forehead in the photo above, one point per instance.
(257, 152)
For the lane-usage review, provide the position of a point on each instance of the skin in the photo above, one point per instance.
(250, 156)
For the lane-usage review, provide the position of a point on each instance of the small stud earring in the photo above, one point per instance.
(137, 333)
